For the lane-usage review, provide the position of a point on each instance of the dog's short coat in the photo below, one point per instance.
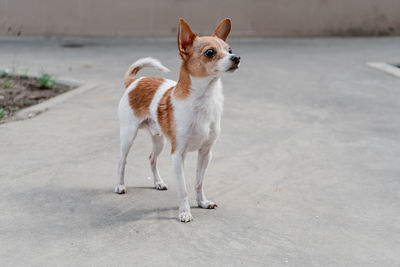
(187, 112)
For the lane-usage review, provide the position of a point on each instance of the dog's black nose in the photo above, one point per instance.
(235, 59)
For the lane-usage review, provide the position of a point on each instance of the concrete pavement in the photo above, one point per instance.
(305, 173)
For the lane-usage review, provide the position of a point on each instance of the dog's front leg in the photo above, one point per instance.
(184, 207)
(204, 158)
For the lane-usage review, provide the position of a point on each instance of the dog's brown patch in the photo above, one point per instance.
(183, 88)
(130, 75)
(140, 97)
(129, 80)
(165, 116)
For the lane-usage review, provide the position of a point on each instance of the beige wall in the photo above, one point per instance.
(159, 17)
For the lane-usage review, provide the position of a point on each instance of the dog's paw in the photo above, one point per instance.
(185, 216)
(161, 186)
(207, 204)
(120, 189)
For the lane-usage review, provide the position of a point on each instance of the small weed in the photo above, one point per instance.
(7, 84)
(46, 81)
(4, 73)
(25, 74)
(1, 112)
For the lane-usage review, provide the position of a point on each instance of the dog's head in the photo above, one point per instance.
(207, 55)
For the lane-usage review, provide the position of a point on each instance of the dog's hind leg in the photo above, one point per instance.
(127, 135)
(158, 144)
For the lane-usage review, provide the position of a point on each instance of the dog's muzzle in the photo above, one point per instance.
(235, 63)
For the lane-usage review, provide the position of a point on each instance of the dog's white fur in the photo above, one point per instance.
(197, 127)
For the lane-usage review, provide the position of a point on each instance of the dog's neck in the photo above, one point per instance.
(188, 84)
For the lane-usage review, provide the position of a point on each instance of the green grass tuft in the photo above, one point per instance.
(7, 84)
(4, 73)
(46, 81)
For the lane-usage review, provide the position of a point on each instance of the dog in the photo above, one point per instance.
(187, 112)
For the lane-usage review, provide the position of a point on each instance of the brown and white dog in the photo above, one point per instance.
(188, 112)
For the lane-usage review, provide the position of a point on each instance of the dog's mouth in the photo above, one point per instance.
(232, 68)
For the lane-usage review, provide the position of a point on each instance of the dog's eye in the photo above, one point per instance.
(210, 53)
(230, 50)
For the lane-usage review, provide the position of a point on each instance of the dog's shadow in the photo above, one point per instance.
(145, 214)
(142, 187)
(140, 211)
(98, 207)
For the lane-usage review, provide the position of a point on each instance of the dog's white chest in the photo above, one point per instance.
(204, 119)
(199, 133)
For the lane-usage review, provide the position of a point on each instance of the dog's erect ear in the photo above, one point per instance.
(223, 29)
(185, 36)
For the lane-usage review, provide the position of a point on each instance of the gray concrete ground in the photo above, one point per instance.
(306, 171)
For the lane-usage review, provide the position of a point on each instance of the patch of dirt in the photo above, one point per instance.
(18, 92)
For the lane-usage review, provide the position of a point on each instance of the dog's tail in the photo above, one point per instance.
(130, 75)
